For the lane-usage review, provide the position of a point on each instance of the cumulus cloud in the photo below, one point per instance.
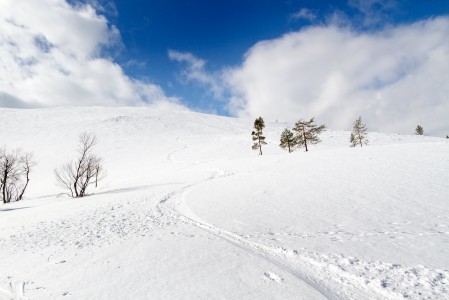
(195, 71)
(304, 14)
(53, 53)
(395, 78)
(106, 7)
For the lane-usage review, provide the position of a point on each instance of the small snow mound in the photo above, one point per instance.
(273, 277)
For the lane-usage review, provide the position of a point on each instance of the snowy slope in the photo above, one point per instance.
(189, 211)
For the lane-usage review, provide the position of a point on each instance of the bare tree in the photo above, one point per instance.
(15, 169)
(26, 162)
(77, 175)
(7, 166)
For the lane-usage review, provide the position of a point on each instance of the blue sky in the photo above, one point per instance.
(384, 60)
(222, 31)
(218, 31)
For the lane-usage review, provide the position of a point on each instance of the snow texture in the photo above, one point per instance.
(189, 211)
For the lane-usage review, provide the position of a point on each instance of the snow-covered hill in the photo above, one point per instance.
(189, 211)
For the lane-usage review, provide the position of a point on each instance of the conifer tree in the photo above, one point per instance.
(352, 140)
(447, 136)
(358, 135)
(288, 140)
(257, 135)
(307, 133)
(419, 130)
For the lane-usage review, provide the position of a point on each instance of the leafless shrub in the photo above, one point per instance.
(15, 169)
(76, 176)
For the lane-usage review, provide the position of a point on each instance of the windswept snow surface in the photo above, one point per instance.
(189, 211)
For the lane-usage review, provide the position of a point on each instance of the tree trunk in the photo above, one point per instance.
(24, 188)
(75, 188)
(97, 169)
(305, 139)
(5, 175)
(260, 146)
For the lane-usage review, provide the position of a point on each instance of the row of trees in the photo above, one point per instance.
(87, 169)
(305, 133)
(75, 176)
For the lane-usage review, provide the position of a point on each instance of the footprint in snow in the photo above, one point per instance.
(16, 291)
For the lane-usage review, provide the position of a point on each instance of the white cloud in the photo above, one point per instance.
(106, 7)
(373, 11)
(369, 6)
(304, 14)
(196, 72)
(51, 54)
(395, 78)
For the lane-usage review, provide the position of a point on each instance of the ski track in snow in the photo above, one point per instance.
(170, 155)
(335, 277)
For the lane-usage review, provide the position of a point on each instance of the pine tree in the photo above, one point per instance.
(419, 130)
(287, 140)
(358, 135)
(447, 136)
(257, 135)
(352, 140)
(307, 133)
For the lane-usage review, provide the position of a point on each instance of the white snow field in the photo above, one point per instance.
(189, 211)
